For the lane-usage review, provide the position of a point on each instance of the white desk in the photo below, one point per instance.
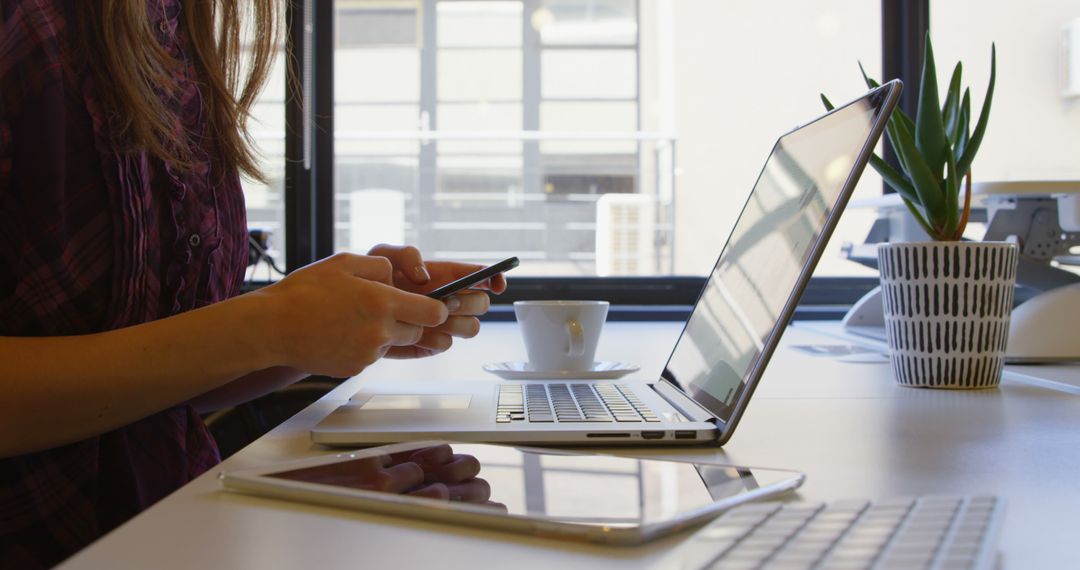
(847, 426)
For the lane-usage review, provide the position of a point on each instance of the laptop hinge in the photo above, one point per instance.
(680, 401)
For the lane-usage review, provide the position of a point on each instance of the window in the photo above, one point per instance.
(500, 132)
(588, 137)
(265, 202)
(378, 24)
(592, 138)
(376, 98)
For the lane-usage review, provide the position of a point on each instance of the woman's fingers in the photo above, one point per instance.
(414, 309)
(438, 339)
(435, 341)
(403, 334)
(409, 352)
(406, 260)
(471, 303)
(363, 266)
(460, 327)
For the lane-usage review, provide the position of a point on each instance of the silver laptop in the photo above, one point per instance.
(718, 360)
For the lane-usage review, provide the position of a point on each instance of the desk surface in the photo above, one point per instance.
(846, 425)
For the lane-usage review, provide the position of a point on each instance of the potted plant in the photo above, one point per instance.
(947, 302)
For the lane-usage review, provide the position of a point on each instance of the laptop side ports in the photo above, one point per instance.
(652, 435)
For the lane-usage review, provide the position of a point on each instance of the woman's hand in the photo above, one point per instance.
(411, 273)
(337, 316)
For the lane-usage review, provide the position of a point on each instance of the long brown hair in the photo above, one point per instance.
(133, 66)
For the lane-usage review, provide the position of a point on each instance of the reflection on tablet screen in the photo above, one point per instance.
(588, 489)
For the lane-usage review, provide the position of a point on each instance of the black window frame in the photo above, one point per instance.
(309, 174)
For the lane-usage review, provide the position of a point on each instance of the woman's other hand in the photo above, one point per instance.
(411, 273)
(339, 315)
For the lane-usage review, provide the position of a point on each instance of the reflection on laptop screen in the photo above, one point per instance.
(758, 271)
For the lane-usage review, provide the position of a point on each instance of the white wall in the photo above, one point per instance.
(1033, 132)
(744, 73)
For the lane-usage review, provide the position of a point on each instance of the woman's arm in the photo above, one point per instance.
(247, 388)
(334, 317)
(60, 390)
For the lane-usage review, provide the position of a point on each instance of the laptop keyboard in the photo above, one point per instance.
(570, 403)
(943, 533)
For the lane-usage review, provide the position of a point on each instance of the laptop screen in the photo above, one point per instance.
(778, 237)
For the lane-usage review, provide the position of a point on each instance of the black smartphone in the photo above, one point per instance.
(473, 278)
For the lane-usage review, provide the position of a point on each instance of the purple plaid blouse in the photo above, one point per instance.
(92, 239)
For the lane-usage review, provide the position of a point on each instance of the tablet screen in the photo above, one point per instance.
(583, 489)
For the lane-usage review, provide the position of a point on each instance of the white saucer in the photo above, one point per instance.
(522, 371)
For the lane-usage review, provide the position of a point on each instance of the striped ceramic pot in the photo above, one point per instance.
(947, 309)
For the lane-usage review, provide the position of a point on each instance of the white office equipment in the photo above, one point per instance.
(1044, 218)
(626, 235)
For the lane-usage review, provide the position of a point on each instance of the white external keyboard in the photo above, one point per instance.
(941, 533)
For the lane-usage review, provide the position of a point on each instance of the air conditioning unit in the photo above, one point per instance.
(626, 235)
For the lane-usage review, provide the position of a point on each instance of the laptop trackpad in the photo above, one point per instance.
(417, 402)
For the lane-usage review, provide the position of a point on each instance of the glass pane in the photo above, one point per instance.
(377, 75)
(373, 194)
(495, 127)
(359, 117)
(482, 116)
(379, 24)
(475, 24)
(478, 205)
(611, 123)
(265, 202)
(648, 184)
(377, 117)
(480, 75)
(594, 74)
(586, 22)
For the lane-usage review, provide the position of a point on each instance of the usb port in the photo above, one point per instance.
(685, 434)
(652, 435)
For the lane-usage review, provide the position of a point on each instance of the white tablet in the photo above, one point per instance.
(553, 493)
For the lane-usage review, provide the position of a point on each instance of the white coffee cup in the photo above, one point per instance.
(561, 335)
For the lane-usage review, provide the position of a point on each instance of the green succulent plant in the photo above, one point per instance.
(935, 150)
